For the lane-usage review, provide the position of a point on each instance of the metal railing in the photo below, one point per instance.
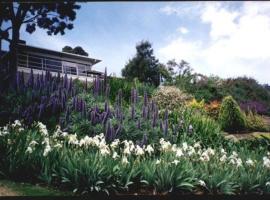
(53, 65)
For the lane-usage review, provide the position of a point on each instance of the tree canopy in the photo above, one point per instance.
(55, 17)
(143, 65)
(77, 50)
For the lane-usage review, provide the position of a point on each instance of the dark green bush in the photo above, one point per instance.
(231, 118)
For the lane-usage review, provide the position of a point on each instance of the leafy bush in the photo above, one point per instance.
(170, 97)
(255, 122)
(230, 116)
(194, 104)
(212, 109)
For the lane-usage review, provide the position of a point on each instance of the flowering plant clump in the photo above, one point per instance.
(56, 156)
(170, 97)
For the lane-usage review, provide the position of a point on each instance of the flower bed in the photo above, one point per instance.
(86, 164)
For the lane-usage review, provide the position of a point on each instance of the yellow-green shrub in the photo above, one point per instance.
(194, 104)
(255, 122)
(231, 117)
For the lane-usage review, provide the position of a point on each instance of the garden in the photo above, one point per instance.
(116, 136)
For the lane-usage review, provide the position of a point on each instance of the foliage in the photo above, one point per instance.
(230, 116)
(84, 164)
(76, 50)
(254, 106)
(53, 17)
(255, 122)
(170, 97)
(212, 109)
(143, 65)
(194, 104)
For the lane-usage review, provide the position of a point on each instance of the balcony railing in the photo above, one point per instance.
(53, 65)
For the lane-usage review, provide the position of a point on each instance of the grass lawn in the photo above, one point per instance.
(10, 188)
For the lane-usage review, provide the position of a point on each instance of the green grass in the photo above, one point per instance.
(27, 189)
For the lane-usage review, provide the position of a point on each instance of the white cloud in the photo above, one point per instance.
(183, 30)
(239, 42)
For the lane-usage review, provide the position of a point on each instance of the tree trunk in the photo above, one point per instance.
(13, 53)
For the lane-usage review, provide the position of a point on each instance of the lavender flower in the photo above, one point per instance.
(145, 99)
(132, 111)
(139, 124)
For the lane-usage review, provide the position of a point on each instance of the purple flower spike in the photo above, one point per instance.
(145, 99)
(144, 140)
(132, 111)
(144, 112)
(93, 117)
(108, 133)
(139, 124)
(166, 124)
(154, 120)
(161, 126)
(107, 91)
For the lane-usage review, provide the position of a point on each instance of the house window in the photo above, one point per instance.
(70, 70)
(53, 65)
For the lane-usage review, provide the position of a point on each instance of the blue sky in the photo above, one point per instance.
(227, 39)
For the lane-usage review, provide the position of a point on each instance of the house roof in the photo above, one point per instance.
(63, 55)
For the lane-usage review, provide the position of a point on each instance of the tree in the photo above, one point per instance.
(77, 50)
(143, 65)
(181, 73)
(53, 17)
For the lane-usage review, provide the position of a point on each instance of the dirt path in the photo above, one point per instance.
(5, 191)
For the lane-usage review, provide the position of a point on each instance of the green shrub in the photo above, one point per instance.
(255, 122)
(230, 116)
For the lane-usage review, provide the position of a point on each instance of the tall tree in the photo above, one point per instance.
(54, 17)
(77, 50)
(143, 65)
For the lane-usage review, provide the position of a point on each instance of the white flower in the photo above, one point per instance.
(64, 134)
(43, 129)
(266, 162)
(223, 158)
(47, 150)
(124, 160)
(104, 151)
(165, 146)
(58, 145)
(33, 143)
(197, 145)
(175, 162)
(174, 148)
(205, 156)
(202, 183)
(72, 139)
(115, 143)
(158, 162)
(82, 142)
(16, 123)
(238, 162)
(191, 150)
(139, 151)
(149, 149)
(179, 152)
(185, 146)
(29, 150)
(234, 154)
(126, 151)
(115, 155)
(250, 162)
(210, 151)
(267, 183)
(223, 151)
